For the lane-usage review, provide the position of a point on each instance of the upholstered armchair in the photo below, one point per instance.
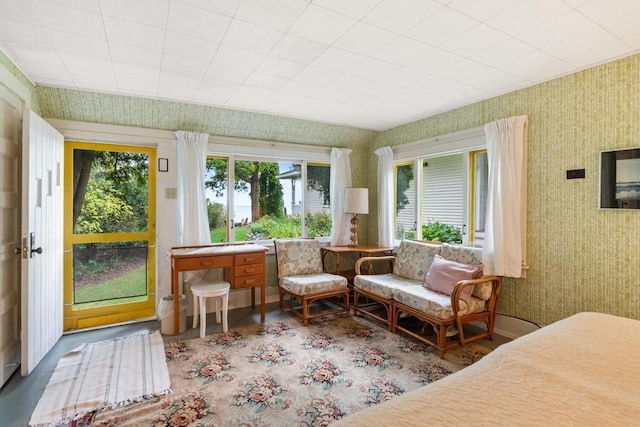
(300, 276)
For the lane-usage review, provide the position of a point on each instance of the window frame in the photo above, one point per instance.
(464, 142)
(233, 149)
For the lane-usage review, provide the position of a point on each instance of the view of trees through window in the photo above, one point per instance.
(268, 199)
(110, 195)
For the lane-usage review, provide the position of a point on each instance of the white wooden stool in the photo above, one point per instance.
(218, 290)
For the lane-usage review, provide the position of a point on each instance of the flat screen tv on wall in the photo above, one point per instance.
(620, 179)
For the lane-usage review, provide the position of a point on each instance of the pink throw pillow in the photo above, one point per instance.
(444, 274)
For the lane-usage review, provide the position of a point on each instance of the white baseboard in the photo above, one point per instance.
(512, 327)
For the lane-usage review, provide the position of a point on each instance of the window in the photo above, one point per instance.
(441, 189)
(268, 199)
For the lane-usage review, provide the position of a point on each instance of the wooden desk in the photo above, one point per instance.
(359, 249)
(243, 265)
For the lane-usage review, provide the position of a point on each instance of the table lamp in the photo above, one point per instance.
(356, 201)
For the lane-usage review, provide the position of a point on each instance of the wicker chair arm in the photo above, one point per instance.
(371, 259)
(460, 286)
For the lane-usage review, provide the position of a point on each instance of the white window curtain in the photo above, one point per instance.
(385, 197)
(504, 248)
(192, 201)
(340, 179)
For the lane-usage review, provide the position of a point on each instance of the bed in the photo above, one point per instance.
(582, 370)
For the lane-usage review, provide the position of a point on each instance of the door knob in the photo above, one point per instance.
(17, 251)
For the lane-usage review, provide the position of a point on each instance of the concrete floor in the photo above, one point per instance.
(19, 396)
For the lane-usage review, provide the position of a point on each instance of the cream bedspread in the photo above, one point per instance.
(582, 370)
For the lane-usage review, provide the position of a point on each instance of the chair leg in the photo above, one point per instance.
(203, 316)
(218, 308)
(225, 309)
(195, 311)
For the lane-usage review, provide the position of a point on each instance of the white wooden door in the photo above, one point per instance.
(42, 237)
(10, 206)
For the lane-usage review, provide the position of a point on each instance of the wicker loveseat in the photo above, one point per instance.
(406, 291)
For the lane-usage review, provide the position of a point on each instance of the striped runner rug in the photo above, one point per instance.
(103, 375)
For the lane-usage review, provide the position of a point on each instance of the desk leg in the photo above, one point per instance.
(175, 290)
(253, 297)
(263, 289)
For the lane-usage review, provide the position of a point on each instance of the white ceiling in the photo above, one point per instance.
(373, 64)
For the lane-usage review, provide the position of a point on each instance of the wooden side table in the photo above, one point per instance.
(361, 250)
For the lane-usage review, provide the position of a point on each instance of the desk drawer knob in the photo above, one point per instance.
(249, 281)
(206, 263)
(249, 270)
(249, 259)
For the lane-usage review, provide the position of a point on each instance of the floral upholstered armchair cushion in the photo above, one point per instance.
(297, 257)
(414, 259)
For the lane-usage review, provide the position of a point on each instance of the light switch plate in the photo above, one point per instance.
(171, 193)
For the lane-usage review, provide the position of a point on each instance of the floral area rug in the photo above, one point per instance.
(282, 373)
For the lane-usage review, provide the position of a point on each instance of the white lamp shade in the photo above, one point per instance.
(356, 200)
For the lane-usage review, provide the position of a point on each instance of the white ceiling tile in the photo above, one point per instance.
(189, 47)
(71, 20)
(434, 85)
(536, 66)
(237, 58)
(34, 55)
(147, 12)
(133, 34)
(604, 11)
(265, 81)
(135, 55)
(225, 7)
(364, 38)
(424, 99)
(442, 26)
(387, 91)
(11, 10)
(506, 51)
(283, 98)
(434, 60)
(137, 72)
(372, 68)
(99, 79)
(175, 91)
(168, 78)
(360, 100)
(186, 66)
(401, 15)
(226, 73)
(279, 67)
(347, 82)
(403, 77)
(338, 60)
(218, 87)
(39, 71)
(71, 43)
(85, 63)
(626, 29)
(401, 50)
(475, 40)
(88, 5)
(299, 87)
(275, 14)
(247, 96)
(315, 75)
(353, 8)
(557, 29)
(196, 22)
(527, 14)
(297, 49)
(328, 94)
(590, 47)
(576, 3)
(321, 25)
(252, 37)
(26, 34)
(137, 86)
(481, 10)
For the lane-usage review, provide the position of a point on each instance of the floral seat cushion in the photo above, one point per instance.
(382, 285)
(434, 303)
(309, 284)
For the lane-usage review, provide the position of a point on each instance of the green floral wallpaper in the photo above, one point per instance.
(581, 258)
(70, 104)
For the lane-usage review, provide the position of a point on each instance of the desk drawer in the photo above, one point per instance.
(250, 258)
(205, 262)
(248, 270)
(248, 281)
